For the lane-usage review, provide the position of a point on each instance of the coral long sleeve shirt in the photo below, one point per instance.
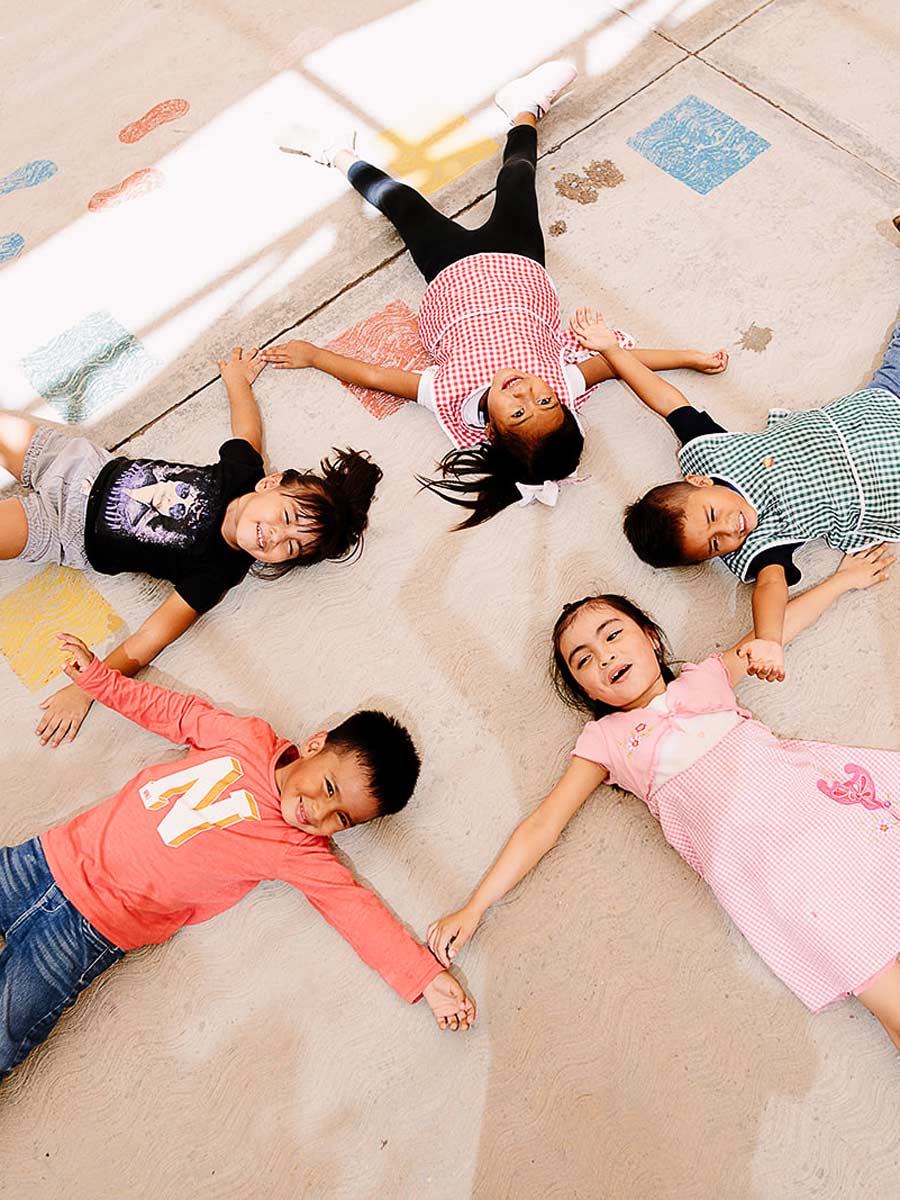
(185, 840)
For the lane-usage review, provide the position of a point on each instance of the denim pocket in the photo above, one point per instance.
(52, 901)
(95, 937)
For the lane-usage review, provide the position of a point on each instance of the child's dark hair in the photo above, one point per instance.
(483, 478)
(655, 523)
(387, 752)
(565, 685)
(336, 506)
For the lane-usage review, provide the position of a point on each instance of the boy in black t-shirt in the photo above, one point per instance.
(201, 527)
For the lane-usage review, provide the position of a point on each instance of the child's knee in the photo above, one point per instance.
(15, 437)
(519, 169)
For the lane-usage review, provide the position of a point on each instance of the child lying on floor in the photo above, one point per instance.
(797, 840)
(183, 841)
(506, 379)
(202, 527)
(753, 499)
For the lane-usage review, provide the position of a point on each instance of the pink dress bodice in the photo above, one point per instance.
(628, 743)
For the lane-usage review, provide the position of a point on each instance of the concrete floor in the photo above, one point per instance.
(629, 1043)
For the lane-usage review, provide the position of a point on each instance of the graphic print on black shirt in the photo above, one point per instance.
(162, 504)
(166, 519)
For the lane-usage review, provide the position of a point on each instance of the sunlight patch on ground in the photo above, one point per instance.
(166, 265)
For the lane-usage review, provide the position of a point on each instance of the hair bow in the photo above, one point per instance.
(546, 492)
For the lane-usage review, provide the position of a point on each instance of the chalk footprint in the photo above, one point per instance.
(138, 184)
(11, 244)
(160, 114)
(28, 176)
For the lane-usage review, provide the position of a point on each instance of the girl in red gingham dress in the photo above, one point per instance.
(798, 841)
(506, 380)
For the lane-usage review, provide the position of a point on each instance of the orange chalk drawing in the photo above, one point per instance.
(159, 114)
(139, 184)
(391, 339)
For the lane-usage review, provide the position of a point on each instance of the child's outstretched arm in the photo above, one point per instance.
(856, 571)
(238, 374)
(393, 380)
(531, 840)
(376, 935)
(593, 333)
(765, 650)
(182, 718)
(597, 369)
(65, 710)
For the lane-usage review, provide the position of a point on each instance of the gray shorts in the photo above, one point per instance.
(60, 470)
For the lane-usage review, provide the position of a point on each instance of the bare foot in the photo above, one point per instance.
(711, 364)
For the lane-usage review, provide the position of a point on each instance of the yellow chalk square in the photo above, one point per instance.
(55, 599)
(429, 160)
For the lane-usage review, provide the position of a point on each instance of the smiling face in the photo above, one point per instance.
(269, 523)
(717, 519)
(522, 404)
(610, 657)
(324, 791)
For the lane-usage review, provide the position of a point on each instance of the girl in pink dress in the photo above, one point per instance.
(506, 379)
(798, 840)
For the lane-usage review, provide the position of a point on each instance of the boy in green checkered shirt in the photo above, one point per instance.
(753, 499)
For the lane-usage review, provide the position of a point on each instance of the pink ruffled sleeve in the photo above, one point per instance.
(593, 745)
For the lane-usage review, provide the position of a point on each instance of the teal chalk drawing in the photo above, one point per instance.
(85, 368)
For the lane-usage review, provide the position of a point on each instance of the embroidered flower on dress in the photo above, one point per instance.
(634, 738)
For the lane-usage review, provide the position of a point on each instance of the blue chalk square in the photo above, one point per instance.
(84, 368)
(698, 144)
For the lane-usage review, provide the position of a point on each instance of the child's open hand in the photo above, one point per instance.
(290, 354)
(866, 568)
(66, 709)
(447, 936)
(591, 330)
(447, 999)
(241, 367)
(765, 659)
(82, 656)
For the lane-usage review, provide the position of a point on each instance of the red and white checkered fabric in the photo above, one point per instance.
(490, 311)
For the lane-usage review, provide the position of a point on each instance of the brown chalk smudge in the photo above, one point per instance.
(573, 187)
(601, 173)
(755, 338)
(557, 228)
(604, 173)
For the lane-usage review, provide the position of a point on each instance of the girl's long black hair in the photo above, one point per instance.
(336, 505)
(568, 690)
(483, 478)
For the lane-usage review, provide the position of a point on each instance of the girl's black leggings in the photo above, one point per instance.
(434, 241)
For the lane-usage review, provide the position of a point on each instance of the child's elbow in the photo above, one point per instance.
(542, 832)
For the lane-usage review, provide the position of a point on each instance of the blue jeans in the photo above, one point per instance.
(888, 374)
(52, 952)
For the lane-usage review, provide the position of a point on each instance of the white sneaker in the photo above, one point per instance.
(537, 90)
(300, 139)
